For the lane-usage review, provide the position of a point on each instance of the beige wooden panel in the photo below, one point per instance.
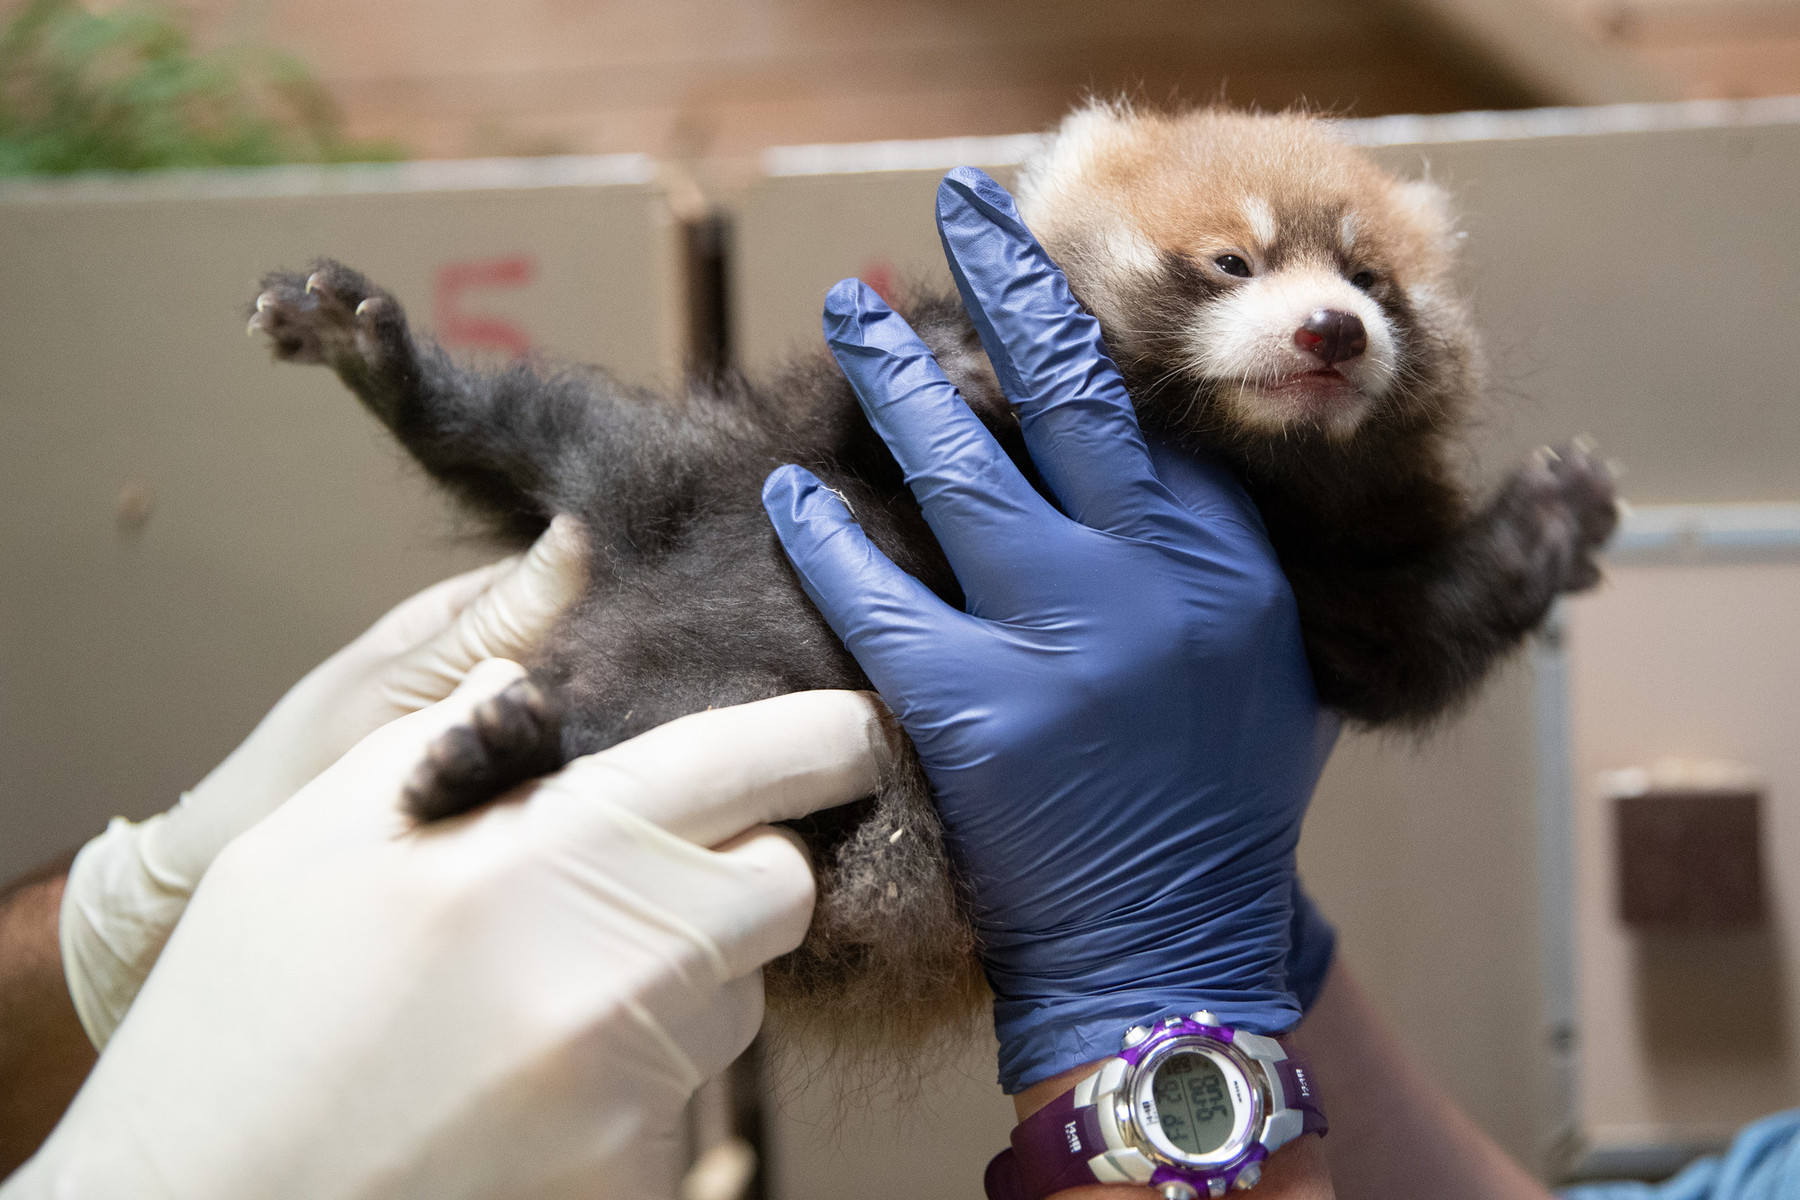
(1627, 284)
(283, 518)
(1686, 1037)
(720, 79)
(1628, 265)
(797, 235)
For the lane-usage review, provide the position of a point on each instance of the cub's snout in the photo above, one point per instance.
(1332, 336)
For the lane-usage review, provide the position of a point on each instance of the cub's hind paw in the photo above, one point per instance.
(332, 316)
(513, 737)
(1565, 499)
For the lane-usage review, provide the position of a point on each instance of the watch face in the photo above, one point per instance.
(1194, 1105)
(1191, 1105)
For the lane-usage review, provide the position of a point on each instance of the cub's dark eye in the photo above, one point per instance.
(1231, 264)
(1363, 279)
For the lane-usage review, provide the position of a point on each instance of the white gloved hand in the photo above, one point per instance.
(518, 1002)
(127, 887)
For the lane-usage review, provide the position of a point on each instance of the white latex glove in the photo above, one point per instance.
(127, 887)
(514, 1003)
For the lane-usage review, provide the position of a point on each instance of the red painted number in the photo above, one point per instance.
(458, 328)
(878, 273)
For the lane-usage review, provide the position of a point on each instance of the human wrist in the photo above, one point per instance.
(1083, 1127)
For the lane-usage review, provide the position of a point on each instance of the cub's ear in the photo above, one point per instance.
(1429, 206)
(1052, 185)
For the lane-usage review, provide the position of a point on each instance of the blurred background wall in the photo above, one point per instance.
(687, 78)
(716, 78)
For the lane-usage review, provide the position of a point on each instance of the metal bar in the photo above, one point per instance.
(1677, 534)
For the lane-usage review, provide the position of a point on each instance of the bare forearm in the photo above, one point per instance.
(44, 1055)
(1297, 1171)
(1395, 1135)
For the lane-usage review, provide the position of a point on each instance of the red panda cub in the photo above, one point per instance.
(1272, 297)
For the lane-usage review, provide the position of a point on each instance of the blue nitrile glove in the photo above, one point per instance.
(1312, 941)
(1312, 944)
(1121, 728)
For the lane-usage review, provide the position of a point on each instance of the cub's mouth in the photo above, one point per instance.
(1324, 384)
(1323, 400)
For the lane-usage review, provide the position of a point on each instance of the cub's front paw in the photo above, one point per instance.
(1564, 503)
(332, 316)
(511, 738)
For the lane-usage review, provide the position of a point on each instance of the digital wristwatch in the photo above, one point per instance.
(1189, 1107)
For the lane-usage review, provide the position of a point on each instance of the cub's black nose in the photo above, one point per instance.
(1332, 336)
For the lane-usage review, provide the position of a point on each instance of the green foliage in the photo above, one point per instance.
(127, 90)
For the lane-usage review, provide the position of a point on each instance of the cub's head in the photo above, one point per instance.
(1255, 277)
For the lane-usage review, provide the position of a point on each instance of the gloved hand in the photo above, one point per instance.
(1121, 730)
(1312, 941)
(518, 1002)
(127, 887)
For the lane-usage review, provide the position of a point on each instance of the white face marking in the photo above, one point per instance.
(1261, 219)
(1128, 251)
(1347, 232)
(1055, 180)
(1114, 261)
(1245, 343)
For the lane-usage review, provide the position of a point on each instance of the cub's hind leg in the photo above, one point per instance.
(336, 318)
(491, 449)
(512, 737)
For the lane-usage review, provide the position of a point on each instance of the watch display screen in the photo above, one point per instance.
(1193, 1106)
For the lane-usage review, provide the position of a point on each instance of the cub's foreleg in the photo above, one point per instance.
(1407, 642)
(1536, 539)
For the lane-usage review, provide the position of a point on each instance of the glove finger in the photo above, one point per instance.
(505, 621)
(701, 1032)
(1050, 359)
(773, 902)
(432, 610)
(1229, 524)
(972, 494)
(883, 615)
(710, 776)
(735, 907)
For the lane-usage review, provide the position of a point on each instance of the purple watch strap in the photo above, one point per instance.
(1297, 1087)
(1051, 1148)
(1050, 1152)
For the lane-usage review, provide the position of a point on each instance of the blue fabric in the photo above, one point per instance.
(1312, 944)
(1120, 728)
(1762, 1164)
